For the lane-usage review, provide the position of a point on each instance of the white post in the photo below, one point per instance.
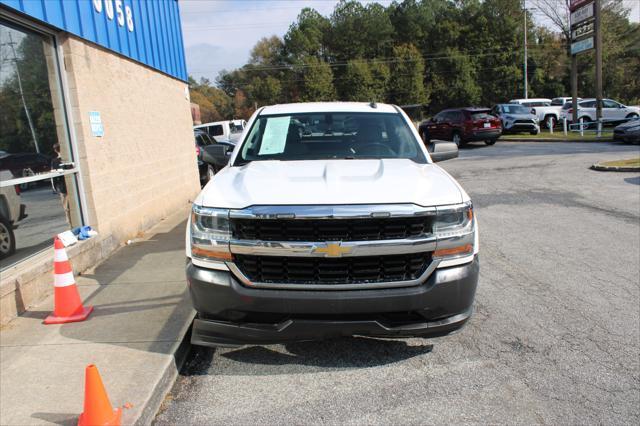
(564, 125)
(581, 128)
(599, 128)
(550, 124)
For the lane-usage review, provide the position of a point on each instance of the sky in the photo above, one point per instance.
(219, 34)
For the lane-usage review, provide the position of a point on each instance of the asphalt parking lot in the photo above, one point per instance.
(555, 337)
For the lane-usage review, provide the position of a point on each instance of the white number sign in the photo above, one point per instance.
(122, 13)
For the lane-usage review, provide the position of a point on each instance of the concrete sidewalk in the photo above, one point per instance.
(134, 337)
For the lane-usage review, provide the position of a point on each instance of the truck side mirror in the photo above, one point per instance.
(441, 151)
(217, 155)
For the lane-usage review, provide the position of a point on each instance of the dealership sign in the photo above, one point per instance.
(574, 4)
(582, 30)
(582, 46)
(582, 14)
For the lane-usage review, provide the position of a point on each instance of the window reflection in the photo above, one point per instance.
(37, 200)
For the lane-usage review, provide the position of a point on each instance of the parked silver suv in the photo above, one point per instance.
(11, 212)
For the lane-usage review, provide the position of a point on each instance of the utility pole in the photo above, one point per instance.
(598, 29)
(574, 88)
(526, 92)
(24, 103)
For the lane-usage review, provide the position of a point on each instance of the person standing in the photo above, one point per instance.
(59, 184)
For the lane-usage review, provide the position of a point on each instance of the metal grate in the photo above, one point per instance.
(346, 270)
(331, 229)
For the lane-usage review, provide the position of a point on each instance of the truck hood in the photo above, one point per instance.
(331, 182)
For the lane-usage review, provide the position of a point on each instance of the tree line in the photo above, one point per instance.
(437, 53)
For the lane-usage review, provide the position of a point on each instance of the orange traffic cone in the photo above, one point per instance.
(97, 408)
(68, 306)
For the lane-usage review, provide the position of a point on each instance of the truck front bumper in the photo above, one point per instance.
(231, 314)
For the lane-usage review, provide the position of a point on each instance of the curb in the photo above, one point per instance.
(556, 140)
(601, 168)
(167, 380)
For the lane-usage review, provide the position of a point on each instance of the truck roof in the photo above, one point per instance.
(517, 101)
(327, 107)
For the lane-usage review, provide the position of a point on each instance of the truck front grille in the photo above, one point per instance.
(330, 229)
(346, 270)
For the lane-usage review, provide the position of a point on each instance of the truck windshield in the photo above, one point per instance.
(330, 135)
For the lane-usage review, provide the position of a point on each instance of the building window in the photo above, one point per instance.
(38, 176)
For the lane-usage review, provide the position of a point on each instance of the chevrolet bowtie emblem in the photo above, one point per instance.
(333, 250)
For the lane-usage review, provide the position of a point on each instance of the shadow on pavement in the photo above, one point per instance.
(141, 299)
(57, 418)
(633, 180)
(342, 353)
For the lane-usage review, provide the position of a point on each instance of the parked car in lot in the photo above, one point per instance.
(547, 113)
(462, 125)
(331, 220)
(229, 130)
(11, 213)
(562, 100)
(208, 166)
(516, 118)
(612, 111)
(628, 132)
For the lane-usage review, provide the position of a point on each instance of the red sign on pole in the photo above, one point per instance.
(574, 4)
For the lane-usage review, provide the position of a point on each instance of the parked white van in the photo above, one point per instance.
(223, 130)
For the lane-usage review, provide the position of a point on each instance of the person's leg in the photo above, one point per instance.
(65, 205)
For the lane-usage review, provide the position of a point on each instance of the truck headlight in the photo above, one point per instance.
(454, 229)
(210, 233)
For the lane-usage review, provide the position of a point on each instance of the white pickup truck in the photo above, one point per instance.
(331, 219)
(547, 113)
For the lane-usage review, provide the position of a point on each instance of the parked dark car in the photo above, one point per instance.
(462, 125)
(24, 163)
(628, 132)
(212, 155)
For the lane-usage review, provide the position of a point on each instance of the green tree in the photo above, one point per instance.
(264, 90)
(306, 37)
(215, 105)
(407, 70)
(364, 82)
(317, 81)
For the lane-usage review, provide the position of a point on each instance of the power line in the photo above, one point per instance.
(380, 60)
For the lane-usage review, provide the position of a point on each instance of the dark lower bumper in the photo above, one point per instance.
(232, 314)
(482, 135)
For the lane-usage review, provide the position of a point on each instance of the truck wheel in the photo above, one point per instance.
(425, 137)
(632, 115)
(533, 132)
(456, 139)
(550, 121)
(490, 142)
(211, 172)
(7, 239)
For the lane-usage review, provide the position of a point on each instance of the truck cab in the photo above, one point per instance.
(331, 219)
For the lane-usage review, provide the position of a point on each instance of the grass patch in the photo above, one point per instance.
(559, 135)
(632, 162)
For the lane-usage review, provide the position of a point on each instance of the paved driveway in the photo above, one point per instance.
(554, 339)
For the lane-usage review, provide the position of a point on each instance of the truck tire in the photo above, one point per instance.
(7, 239)
(455, 138)
(490, 142)
(554, 121)
(211, 171)
(533, 132)
(425, 136)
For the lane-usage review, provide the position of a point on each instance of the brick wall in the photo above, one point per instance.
(144, 167)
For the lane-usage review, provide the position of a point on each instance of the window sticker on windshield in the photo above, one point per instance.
(275, 136)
